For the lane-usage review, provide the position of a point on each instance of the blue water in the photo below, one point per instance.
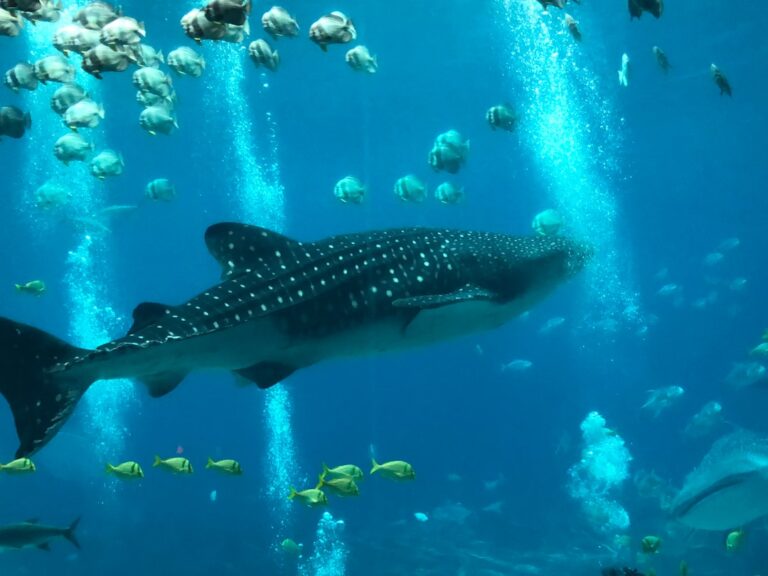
(656, 175)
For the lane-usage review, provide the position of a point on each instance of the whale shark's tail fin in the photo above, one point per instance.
(41, 401)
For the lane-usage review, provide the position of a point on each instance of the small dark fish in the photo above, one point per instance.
(661, 59)
(555, 3)
(21, 5)
(637, 7)
(228, 11)
(14, 122)
(720, 80)
(501, 117)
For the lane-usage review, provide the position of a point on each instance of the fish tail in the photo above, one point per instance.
(375, 465)
(69, 533)
(210, 463)
(157, 461)
(320, 480)
(109, 468)
(293, 493)
(40, 399)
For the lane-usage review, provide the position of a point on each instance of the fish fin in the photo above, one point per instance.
(320, 481)
(324, 47)
(431, 301)
(158, 461)
(293, 493)
(266, 374)
(161, 384)
(109, 468)
(240, 247)
(210, 463)
(69, 534)
(374, 465)
(147, 313)
(40, 400)
(44, 546)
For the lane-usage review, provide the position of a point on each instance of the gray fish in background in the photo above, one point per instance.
(32, 534)
(54, 68)
(228, 11)
(262, 55)
(107, 163)
(349, 190)
(186, 62)
(278, 23)
(449, 193)
(501, 117)
(21, 5)
(10, 23)
(72, 147)
(410, 189)
(720, 80)
(102, 58)
(334, 28)
(160, 189)
(65, 96)
(729, 489)
(75, 38)
(146, 55)
(83, 114)
(157, 120)
(122, 31)
(284, 305)
(96, 15)
(661, 59)
(361, 60)
(14, 122)
(449, 152)
(21, 76)
(198, 27)
(48, 12)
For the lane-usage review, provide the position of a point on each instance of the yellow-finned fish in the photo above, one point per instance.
(350, 470)
(311, 497)
(18, 466)
(226, 466)
(127, 470)
(341, 486)
(176, 465)
(395, 470)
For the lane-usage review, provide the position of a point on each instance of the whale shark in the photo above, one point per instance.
(283, 305)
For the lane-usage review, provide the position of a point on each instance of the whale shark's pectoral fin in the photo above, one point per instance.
(160, 384)
(431, 301)
(266, 374)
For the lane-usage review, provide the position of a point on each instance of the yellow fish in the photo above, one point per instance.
(342, 486)
(18, 466)
(395, 470)
(35, 287)
(126, 470)
(176, 465)
(226, 466)
(312, 497)
(349, 470)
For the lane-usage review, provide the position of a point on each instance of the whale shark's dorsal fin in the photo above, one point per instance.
(241, 248)
(147, 313)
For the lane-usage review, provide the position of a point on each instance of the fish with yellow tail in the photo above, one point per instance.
(311, 497)
(125, 471)
(341, 486)
(348, 470)
(18, 466)
(176, 465)
(231, 467)
(395, 470)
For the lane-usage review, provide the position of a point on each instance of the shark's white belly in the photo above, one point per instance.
(261, 341)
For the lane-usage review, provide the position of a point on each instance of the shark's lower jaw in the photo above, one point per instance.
(283, 305)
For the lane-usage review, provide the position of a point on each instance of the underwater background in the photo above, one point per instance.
(657, 175)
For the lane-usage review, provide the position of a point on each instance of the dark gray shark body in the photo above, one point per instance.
(283, 305)
(32, 534)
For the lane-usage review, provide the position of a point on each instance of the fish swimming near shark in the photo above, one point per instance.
(729, 488)
(283, 305)
(32, 534)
